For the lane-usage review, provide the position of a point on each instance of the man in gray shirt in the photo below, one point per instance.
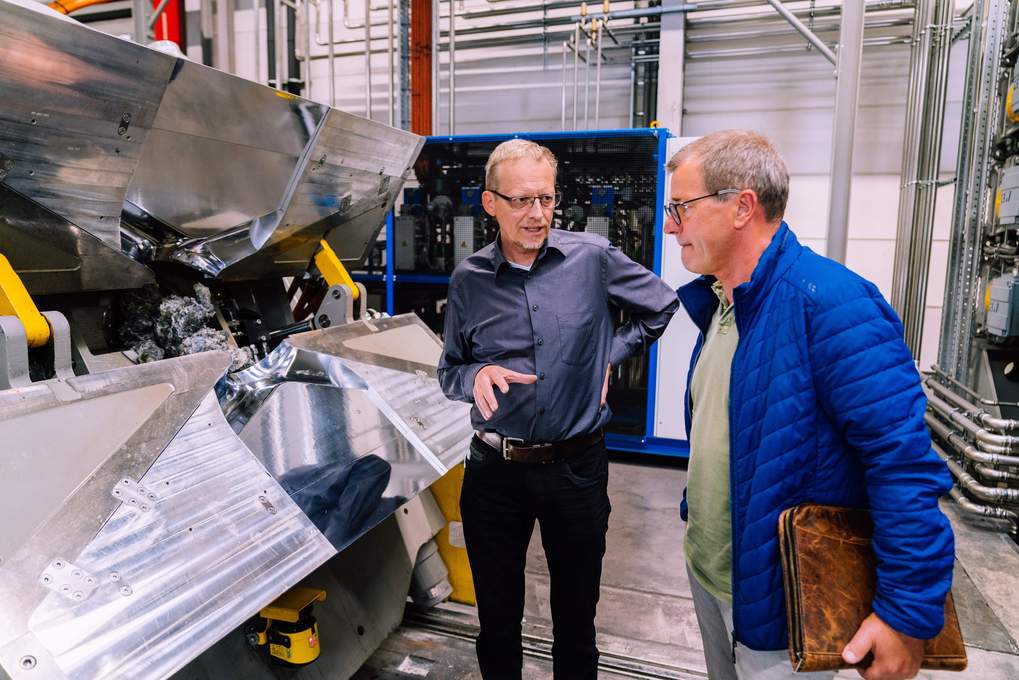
(532, 316)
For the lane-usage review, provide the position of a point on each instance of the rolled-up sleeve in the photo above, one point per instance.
(457, 368)
(649, 300)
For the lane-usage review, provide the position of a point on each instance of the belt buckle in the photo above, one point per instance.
(505, 445)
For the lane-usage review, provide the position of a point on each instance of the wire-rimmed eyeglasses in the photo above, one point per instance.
(676, 209)
(546, 201)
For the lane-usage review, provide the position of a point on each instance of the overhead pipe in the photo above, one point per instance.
(783, 49)
(784, 30)
(802, 29)
(767, 18)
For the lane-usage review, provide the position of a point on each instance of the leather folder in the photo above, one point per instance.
(829, 570)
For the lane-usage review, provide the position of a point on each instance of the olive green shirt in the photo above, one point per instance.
(708, 545)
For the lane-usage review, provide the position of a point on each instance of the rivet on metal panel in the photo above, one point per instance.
(126, 591)
(27, 663)
(134, 494)
(267, 505)
(6, 165)
(125, 123)
(114, 577)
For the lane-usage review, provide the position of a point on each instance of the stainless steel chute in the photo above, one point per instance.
(153, 507)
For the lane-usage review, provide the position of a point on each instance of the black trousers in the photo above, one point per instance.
(499, 504)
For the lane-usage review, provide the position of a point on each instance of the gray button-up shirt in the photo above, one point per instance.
(554, 321)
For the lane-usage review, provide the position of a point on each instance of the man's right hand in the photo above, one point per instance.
(484, 395)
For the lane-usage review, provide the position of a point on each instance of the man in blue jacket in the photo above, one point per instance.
(801, 389)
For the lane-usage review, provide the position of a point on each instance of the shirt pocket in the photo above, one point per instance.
(575, 338)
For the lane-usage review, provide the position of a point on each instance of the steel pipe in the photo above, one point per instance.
(367, 58)
(957, 442)
(452, 67)
(597, 79)
(802, 29)
(994, 442)
(784, 49)
(979, 416)
(562, 123)
(392, 66)
(332, 57)
(847, 90)
(996, 475)
(970, 484)
(984, 511)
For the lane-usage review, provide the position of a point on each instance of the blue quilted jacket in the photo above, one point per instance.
(825, 406)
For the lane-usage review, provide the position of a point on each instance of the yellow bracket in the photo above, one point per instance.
(287, 607)
(333, 271)
(15, 301)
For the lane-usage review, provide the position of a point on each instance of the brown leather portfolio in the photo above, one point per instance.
(829, 571)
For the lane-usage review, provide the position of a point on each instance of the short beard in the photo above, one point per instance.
(529, 246)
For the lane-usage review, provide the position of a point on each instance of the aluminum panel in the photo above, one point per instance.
(222, 540)
(77, 105)
(51, 255)
(337, 455)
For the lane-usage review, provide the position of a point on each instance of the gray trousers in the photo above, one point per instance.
(714, 618)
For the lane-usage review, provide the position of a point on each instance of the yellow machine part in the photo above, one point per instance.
(333, 270)
(15, 301)
(450, 538)
(1012, 115)
(304, 646)
(287, 607)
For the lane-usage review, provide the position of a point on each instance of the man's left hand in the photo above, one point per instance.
(895, 656)
(605, 386)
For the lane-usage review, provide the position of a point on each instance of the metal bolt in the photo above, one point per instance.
(27, 662)
(152, 496)
(58, 565)
(125, 590)
(65, 588)
(114, 576)
(76, 573)
(47, 579)
(144, 508)
(78, 595)
(336, 294)
(89, 580)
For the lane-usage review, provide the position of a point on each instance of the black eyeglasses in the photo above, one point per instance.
(673, 208)
(547, 201)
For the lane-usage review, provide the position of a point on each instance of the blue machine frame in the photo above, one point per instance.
(648, 443)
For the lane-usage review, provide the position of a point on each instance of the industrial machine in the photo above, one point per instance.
(612, 183)
(973, 390)
(195, 422)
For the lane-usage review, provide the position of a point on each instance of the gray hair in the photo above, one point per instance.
(740, 159)
(515, 149)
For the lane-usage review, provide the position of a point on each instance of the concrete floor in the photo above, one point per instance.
(646, 612)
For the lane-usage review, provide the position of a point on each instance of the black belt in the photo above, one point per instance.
(520, 451)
